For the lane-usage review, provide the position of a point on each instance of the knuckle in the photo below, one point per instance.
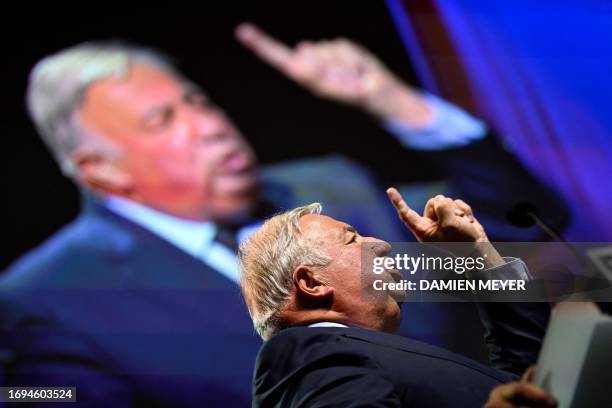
(463, 203)
(445, 204)
(317, 46)
(304, 44)
(448, 224)
(521, 387)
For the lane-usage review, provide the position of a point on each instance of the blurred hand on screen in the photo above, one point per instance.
(342, 71)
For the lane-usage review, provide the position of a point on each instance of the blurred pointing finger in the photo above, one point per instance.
(266, 47)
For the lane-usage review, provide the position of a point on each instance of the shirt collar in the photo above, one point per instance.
(193, 237)
(327, 324)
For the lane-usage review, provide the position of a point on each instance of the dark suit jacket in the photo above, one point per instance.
(127, 318)
(340, 367)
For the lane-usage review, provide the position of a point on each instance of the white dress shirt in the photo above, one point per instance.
(449, 127)
(193, 237)
(327, 324)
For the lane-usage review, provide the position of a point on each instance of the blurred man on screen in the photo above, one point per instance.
(136, 302)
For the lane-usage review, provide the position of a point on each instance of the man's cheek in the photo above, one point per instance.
(178, 163)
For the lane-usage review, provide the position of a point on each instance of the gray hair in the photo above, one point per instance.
(267, 259)
(58, 82)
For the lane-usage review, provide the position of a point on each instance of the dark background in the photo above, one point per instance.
(282, 120)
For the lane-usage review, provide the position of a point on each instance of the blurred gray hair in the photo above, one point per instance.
(267, 259)
(58, 82)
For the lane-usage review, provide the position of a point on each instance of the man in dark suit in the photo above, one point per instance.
(136, 301)
(328, 336)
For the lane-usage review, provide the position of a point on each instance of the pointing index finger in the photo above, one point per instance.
(410, 217)
(266, 47)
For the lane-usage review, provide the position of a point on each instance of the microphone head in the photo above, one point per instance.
(519, 214)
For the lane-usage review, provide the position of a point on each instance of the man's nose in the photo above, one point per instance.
(209, 125)
(380, 247)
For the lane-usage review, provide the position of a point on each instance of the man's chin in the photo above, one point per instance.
(400, 303)
(392, 323)
(398, 296)
(399, 299)
(237, 204)
(235, 183)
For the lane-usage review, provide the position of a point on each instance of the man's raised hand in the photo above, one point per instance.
(342, 71)
(444, 220)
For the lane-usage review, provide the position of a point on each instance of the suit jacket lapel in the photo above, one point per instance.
(147, 259)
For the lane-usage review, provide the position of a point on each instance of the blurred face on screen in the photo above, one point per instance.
(178, 152)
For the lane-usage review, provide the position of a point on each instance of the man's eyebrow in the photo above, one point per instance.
(190, 88)
(340, 233)
(348, 228)
(164, 109)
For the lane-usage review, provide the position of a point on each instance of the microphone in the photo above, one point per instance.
(525, 214)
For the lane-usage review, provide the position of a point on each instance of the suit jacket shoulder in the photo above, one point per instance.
(126, 317)
(302, 366)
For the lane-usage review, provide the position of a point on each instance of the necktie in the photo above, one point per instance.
(226, 236)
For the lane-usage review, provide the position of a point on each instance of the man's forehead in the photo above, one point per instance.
(142, 84)
(113, 102)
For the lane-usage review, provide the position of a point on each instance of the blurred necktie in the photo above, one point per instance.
(227, 236)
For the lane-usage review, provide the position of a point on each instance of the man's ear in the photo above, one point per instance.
(308, 284)
(101, 173)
